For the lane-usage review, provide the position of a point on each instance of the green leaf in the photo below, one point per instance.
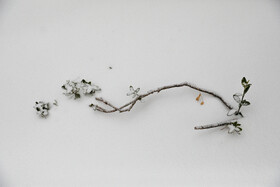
(85, 82)
(239, 114)
(77, 95)
(231, 112)
(235, 124)
(243, 81)
(237, 98)
(245, 103)
(63, 87)
(246, 88)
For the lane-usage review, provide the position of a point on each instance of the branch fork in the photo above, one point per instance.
(232, 124)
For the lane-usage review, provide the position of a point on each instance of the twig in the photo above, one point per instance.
(229, 122)
(128, 106)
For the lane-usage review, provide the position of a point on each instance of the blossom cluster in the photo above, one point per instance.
(42, 108)
(74, 89)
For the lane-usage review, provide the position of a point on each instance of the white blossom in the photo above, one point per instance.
(42, 108)
(132, 92)
(89, 89)
(73, 88)
(233, 128)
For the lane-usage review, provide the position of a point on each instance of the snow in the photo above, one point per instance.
(149, 44)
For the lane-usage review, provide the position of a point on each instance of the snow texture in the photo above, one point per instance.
(149, 44)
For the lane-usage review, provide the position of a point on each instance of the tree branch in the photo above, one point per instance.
(128, 106)
(229, 122)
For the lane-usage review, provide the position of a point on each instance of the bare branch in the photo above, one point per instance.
(229, 122)
(128, 106)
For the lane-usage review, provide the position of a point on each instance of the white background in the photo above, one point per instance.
(148, 43)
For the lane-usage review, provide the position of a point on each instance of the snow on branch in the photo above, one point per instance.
(138, 97)
(233, 125)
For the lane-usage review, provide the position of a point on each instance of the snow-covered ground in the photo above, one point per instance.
(148, 43)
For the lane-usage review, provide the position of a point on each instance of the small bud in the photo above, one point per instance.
(198, 97)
